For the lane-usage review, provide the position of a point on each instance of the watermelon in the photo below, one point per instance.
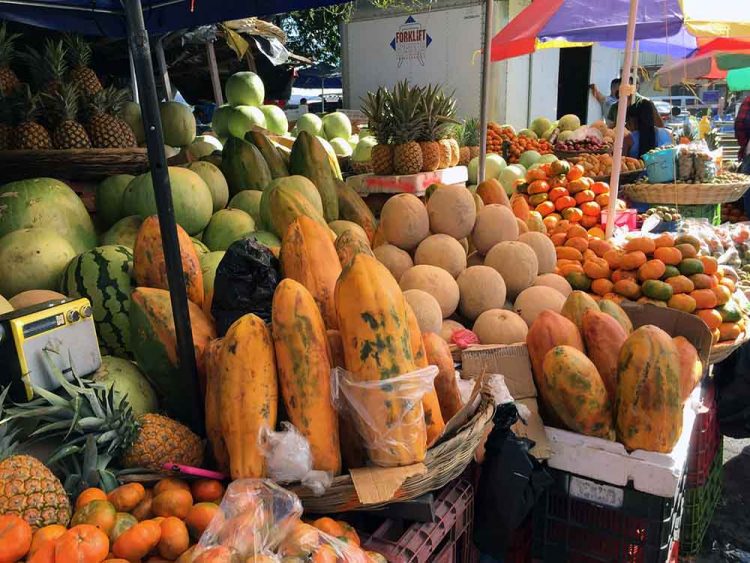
(32, 259)
(128, 382)
(47, 203)
(103, 276)
(109, 199)
(123, 232)
(227, 226)
(191, 199)
(154, 344)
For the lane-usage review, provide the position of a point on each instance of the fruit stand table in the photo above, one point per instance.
(417, 184)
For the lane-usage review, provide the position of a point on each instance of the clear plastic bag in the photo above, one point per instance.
(305, 542)
(289, 459)
(388, 413)
(254, 517)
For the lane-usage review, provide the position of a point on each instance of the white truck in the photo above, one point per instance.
(442, 44)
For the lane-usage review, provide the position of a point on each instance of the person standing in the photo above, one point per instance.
(636, 97)
(606, 101)
(742, 128)
(644, 134)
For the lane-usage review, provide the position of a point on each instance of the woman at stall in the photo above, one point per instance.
(644, 135)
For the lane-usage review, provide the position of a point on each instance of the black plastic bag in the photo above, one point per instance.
(510, 483)
(245, 281)
(732, 377)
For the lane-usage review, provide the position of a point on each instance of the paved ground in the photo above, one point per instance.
(728, 537)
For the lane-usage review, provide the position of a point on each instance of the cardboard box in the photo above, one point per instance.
(512, 362)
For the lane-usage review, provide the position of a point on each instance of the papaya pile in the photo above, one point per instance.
(597, 376)
(666, 271)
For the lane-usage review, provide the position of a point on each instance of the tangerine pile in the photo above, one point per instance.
(497, 135)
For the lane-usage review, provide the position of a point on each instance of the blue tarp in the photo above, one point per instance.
(106, 17)
(319, 76)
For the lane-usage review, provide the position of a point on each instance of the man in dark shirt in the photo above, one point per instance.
(612, 115)
(742, 127)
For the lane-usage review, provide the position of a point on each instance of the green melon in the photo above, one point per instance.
(276, 121)
(128, 382)
(249, 202)
(243, 119)
(204, 145)
(131, 114)
(298, 184)
(214, 180)
(47, 203)
(266, 239)
(227, 226)
(200, 248)
(177, 123)
(103, 276)
(109, 199)
(124, 232)
(191, 199)
(245, 89)
(32, 259)
(220, 120)
(209, 263)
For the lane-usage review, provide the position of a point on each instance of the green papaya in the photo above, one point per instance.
(272, 157)
(353, 208)
(285, 204)
(310, 159)
(244, 167)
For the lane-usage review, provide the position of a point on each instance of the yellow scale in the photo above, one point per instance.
(63, 329)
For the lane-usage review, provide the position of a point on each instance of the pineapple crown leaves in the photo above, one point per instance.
(377, 108)
(78, 50)
(107, 100)
(64, 103)
(469, 134)
(8, 430)
(26, 106)
(7, 47)
(408, 118)
(49, 65)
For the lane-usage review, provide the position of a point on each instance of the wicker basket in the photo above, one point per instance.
(444, 462)
(721, 351)
(72, 164)
(685, 194)
(625, 177)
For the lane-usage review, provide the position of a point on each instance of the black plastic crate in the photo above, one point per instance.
(705, 440)
(700, 503)
(582, 520)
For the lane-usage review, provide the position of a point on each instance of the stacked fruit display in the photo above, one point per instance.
(468, 140)
(499, 135)
(664, 213)
(587, 144)
(596, 165)
(558, 191)
(590, 368)
(666, 271)
(413, 127)
(64, 106)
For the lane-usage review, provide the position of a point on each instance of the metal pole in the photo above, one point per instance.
(484, 97)
(213, 69)
(622, 107)
(133, 78)
(139, 47)
(161, 60)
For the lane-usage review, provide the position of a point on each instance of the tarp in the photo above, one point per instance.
(738, 80)
(319, 76)
(106, 17)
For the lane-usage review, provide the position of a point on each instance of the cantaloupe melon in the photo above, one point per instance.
(516, 262)
(404, 221)
(464, 242)
(426, 309)
(442, 251)
(535, 299)
(481, 288)
(448, 328)
(435, 281)
(544, 250)
(396, 260)
(451, 211)
(495, 223)
(554, 281)
(498, 326)
(33, 297)
(474, 259)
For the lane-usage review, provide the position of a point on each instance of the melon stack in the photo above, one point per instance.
(464, 260)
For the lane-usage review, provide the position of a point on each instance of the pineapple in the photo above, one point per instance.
(48, 68)
(433, 124)
(79, 58)
(105, 129)
(67, 132)
(27, 487)
(6, 123)
(469, 141)
(28, 134)
(85, 410)
(446, 109)
(408, 125)
(377, 108)
(8, 80)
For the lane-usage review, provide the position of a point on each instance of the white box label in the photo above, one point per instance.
(596, 493)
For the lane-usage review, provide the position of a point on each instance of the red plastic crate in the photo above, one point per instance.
(623, 218)
(447, 540)
(519, 550)
(704, 442)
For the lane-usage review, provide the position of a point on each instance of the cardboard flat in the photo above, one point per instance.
(511, 361)
(375, 485)
(531, 426)
(415, 184)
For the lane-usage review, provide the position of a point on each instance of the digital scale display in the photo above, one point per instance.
(43, 325)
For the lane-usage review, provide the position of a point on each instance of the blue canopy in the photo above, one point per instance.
(320, 75)
(106, 17)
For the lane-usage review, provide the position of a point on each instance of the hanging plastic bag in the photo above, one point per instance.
(254, 517)
(305, 542)
(289, 459)
(388, 414)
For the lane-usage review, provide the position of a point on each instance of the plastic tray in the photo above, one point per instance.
(700, 503)
(416, 184)
(579, 520)
(446, 540)
(705, 440)
(650, 472)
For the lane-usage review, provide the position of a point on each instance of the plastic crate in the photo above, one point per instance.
(519, 550)
(661, 166)
(700, 503)
(623, 218)
(447, 540)
(583, 520)
(704, 441)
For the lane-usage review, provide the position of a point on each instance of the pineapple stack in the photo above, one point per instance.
(468, 135)
(413, 126)
(65, 106)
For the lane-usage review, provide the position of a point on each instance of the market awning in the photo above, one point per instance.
(107, 17)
